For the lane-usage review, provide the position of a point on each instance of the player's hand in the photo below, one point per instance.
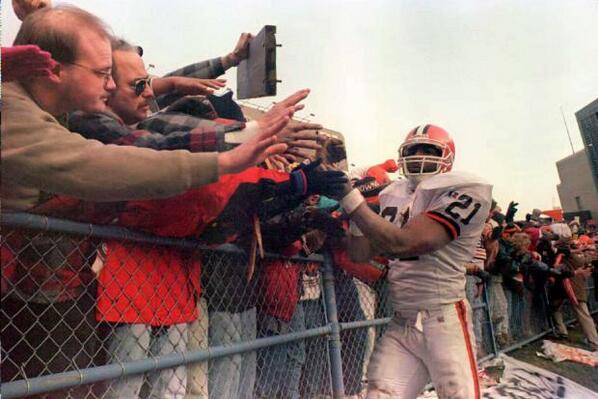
(19, 62)
(306, 179)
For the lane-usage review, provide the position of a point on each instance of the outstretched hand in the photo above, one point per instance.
(239, 53)
(307, 179)
(511, 211)
(291, 102)
(20, 62)
(186, 85)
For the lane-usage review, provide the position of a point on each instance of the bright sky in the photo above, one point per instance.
(493, 73)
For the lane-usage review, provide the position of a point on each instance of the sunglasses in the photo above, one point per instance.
(140, 85)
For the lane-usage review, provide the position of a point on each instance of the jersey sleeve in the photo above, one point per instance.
(461, 211)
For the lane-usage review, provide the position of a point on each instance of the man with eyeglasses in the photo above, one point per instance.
(42, 158)
(190, 123)
(39, 154)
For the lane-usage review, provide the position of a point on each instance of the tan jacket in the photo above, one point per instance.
(572, 263)
(40, 155)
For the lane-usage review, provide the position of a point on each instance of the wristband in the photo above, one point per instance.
(351, 201)
(354, 229)
(299, 182)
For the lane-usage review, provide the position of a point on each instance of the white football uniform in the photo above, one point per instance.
(431, 335)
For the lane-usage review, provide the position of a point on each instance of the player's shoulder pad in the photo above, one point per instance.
(452, 180)
(397, 187)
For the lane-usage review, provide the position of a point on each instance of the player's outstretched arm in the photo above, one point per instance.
(419, 236)
(359, 249)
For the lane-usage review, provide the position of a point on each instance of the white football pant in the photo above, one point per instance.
(418, 346)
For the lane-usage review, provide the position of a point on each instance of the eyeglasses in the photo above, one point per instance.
(104, 74)
(140, 85)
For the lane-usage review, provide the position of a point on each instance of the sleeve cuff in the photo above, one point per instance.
(449, 225)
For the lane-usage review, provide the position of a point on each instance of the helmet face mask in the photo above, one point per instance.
(427, 151)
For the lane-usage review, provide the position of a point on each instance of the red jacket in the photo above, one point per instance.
(159, 285)
(280, 285)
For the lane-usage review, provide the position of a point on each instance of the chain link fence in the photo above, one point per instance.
(104, 312)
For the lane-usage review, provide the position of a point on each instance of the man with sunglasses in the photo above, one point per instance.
(189, 123)
(429, 226)
(40, 154)
(41, 158)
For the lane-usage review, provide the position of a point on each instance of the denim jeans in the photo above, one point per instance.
(315, 380)
(130, 342)
(279, 367)
(232, 377)
(197, 373)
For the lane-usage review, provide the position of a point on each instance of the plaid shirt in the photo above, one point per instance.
(50, 268)
(188, 124)
(209, 69)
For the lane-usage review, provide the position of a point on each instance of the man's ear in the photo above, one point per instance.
(56, 73)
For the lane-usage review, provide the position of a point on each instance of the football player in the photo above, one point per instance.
(429, 225)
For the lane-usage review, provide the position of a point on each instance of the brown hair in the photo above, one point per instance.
(120, 44)
(521, 243)
(57, 30)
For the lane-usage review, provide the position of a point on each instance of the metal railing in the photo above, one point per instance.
(254, 343)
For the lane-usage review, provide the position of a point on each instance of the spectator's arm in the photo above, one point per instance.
(108, 130)
(209, 69)
(181, 85)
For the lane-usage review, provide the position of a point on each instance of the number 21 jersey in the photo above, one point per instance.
(460, 203)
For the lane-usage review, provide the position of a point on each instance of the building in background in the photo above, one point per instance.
(578, 173)
(587, 119)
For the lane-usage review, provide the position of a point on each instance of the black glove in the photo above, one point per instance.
(511, 211)
(482, 275)
(498, 218)
(306, 180)
(496, 233)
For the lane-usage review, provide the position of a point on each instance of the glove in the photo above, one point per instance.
(511, 211)
(20, 62)
(482, 275)
(496, 233)
(306, 180)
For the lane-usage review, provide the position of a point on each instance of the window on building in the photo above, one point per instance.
(578, 203)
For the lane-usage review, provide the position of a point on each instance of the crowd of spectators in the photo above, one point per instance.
(530, 267)
(89, 135)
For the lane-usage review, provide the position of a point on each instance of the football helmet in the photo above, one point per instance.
(426, 151)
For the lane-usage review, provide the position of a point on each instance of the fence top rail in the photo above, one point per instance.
(22, 220)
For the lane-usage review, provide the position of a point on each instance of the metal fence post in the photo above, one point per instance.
(492, 336)
(334, 341)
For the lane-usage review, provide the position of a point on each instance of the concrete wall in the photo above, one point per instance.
(576, 179)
